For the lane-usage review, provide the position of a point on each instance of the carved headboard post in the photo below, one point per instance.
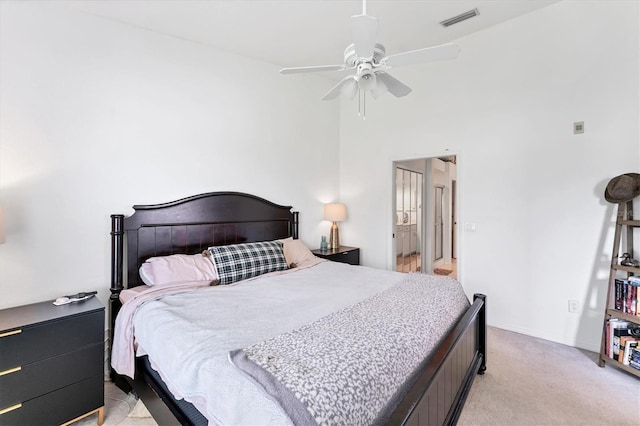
(117, 244)
(294, 232)
(117, 255)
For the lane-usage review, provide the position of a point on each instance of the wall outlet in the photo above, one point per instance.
(574, 307)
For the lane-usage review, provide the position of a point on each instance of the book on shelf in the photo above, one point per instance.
(630, 298)
(630, 344)
(626, 295)
(619, 296)
(626, 345)
(615, 326)
(634, 359)
(634, 283)
(619, 287)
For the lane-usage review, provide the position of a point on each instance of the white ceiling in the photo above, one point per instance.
(305, 32)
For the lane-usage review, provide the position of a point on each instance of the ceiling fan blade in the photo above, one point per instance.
(346, 85)
(394, 86)
(420, 56)
(320, 68)
(364, 30)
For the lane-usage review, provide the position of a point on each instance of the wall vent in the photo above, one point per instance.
(462, 17)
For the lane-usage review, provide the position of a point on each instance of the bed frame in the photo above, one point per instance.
(193, 224)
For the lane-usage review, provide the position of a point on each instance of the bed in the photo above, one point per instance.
(434, 393)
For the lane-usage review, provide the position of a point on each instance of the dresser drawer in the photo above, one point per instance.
(59, 406)
(39, 342)
(42, 377)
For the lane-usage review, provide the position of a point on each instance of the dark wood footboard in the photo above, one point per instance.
(444, 381)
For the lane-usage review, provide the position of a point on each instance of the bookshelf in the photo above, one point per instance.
(622, 317)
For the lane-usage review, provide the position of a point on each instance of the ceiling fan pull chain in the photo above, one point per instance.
(364, 105)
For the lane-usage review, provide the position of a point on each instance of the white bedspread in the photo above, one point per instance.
(203, 325)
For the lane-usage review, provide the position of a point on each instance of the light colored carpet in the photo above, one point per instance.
(532, 381)
(528, 381)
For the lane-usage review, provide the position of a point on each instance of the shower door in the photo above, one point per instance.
(408, 220)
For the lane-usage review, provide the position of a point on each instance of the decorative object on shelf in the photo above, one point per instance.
(2, 238)
(627, 260)
(323, 244)
(335, 213)
(623, 188)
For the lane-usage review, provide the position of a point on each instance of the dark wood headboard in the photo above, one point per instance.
(191, 225)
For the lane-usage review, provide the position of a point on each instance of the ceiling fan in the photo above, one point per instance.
(370, 62)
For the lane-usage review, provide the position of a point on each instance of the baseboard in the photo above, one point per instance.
(529, 332)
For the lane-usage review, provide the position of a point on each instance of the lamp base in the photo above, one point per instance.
(334, 236)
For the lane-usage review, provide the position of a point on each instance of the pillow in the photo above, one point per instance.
(296, 252)
(237, 262)
(164, 270)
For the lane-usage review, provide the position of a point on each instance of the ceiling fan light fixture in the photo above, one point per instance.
(380, 89)
(459, 18)
(367, 80)
(350, 89)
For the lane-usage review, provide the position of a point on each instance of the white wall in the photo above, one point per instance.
(505, 107)
(96, 116)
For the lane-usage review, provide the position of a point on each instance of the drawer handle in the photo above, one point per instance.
(345, 253)
(9, 371)
(8, 409)
(10, 333)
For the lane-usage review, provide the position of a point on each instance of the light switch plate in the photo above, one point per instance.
(578, 127)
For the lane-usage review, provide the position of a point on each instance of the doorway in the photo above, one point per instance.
(425, 215)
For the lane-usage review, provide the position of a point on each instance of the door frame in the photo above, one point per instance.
(443, 210)
(427, 219)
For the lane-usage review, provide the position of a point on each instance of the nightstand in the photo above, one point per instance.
(51, 363)
(343, 254)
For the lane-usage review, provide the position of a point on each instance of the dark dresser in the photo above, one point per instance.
(51, 363)
(343, 254)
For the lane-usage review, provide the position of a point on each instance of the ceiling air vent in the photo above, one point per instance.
(462, 17)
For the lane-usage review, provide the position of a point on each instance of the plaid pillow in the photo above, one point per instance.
(238, 262)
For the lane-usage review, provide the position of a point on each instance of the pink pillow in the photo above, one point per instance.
(165, 270)
(296, 252)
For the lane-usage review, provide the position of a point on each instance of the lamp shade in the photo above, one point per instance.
(335, 212)
(2, 240)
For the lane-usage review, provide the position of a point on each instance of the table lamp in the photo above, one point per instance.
(335, 213)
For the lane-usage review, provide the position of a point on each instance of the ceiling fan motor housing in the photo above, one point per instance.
(351, 58)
